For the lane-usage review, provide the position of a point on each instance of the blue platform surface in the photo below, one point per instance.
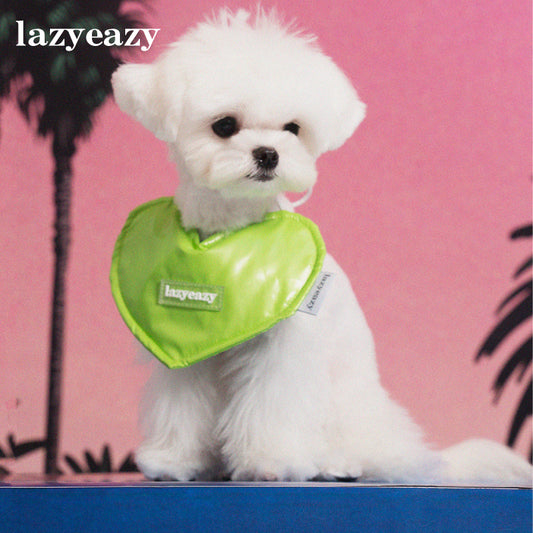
(85, 505)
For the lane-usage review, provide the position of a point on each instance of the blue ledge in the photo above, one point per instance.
(74, 506)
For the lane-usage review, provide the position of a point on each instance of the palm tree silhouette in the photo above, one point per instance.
(514, 311)
(59, 91)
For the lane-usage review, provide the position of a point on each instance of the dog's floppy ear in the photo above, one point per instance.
(341, 108)
(349, 113)
(139, 90)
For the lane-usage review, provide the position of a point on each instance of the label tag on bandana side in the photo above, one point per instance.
(191, 295)
(316, 295)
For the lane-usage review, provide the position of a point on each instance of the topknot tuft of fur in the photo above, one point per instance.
(268, 21)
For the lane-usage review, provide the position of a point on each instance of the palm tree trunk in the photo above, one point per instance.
(63, 150)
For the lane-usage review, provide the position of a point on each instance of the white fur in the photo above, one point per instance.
(304, 399)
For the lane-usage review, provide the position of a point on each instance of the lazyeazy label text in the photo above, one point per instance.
(68, 38)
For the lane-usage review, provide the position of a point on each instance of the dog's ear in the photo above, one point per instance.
(139, 90)
(349, 113)
(342, 111)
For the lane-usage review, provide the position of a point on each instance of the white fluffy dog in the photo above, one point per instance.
(246, 107)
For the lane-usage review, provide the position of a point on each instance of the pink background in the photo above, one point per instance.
(417, 207)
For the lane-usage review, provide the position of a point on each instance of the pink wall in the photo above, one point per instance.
(417, 207)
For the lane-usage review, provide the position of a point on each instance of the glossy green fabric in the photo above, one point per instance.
(261, 273)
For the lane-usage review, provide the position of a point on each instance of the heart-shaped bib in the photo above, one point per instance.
(187, 299)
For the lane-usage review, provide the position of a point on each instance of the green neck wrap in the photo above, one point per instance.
(187, 299)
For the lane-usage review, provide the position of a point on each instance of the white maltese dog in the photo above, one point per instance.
(246, 107)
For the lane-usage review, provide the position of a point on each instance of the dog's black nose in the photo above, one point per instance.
(265, 157)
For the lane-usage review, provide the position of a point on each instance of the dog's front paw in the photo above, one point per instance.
(264, 469)
(169, 464)
(336, 469)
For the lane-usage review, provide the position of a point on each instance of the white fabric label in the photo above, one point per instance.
(316, 295)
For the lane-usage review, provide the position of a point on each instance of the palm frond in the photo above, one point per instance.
(16, 450)
(128, 465)
(519, 361)
(526, 265)
(73, 464)
(523, 232)
(23, 448)
(522, 290)
(522, 413)
(510, 322)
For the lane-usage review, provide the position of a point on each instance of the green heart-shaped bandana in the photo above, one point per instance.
(187, 299)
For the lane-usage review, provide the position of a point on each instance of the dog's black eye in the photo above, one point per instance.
(292, 127)
(225, 127)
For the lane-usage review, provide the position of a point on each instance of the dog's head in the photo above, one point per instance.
(246, 108)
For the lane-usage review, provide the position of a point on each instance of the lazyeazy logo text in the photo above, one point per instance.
(68, 38)
(181, 294)
(192, 295)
